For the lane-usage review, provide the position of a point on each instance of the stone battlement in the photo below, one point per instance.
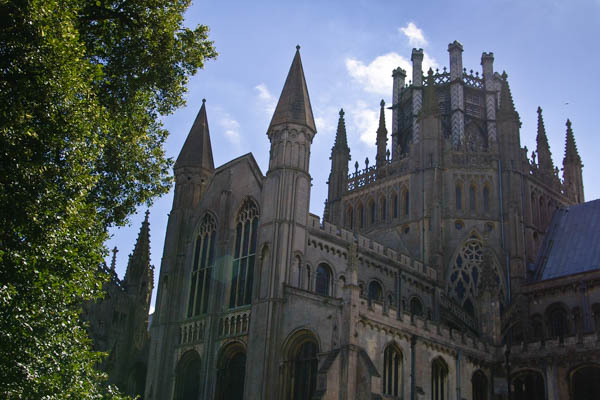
(368, 245)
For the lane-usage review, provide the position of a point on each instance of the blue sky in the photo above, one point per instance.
(548, 48)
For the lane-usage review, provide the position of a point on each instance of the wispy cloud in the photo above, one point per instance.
(414, 34)
(376, 76)
(266, 99)
(231, 129)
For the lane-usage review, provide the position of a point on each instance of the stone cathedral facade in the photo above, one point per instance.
(442, 270)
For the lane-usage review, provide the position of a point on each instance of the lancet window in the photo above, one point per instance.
(486, 199)
(392, 371)
(458, 197)
(242, 276)
(375, 291)
(202, 267)
(323, 283)
(439, 380)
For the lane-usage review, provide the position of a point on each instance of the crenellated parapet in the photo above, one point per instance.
(322, 234)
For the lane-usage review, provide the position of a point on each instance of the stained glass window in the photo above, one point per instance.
(465, 274)
(204, 261)
(244, 254)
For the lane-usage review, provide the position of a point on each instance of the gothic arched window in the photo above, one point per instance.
(242, 276)
(529, 385)
(466, 272)
(349, 218)
(486, 199)
(479, 385)
(231, 370)
(375, 291)
(304, 371)
(187, 379)
(406, 202)
(585, 381)
(383, 208)
(395, 205)
(558, 322)
(416, 307)
(439, 379)
(392, 371)
(472, 199)
(361, 216)
(323, 280)
(458, 197)
(204, 261)
(373, 212)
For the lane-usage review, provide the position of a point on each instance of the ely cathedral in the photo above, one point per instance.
(456, 265)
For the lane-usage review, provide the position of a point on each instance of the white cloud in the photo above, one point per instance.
(231, 129)
(365, 120)
(266, 99)
(414, 34)
(376, 77)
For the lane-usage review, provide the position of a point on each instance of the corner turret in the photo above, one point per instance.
(457, 107)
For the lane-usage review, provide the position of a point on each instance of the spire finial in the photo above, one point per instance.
(543, 148)
(571, 153)
(203, 101)
(381, 141)
(297, 47)
(113, 263)
(341, 140)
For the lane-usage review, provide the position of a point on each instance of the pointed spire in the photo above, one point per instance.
(197, 150)
(381, 136)
(140, 258)
(340, 136)
(431, 105)
(142, 245)
(382, 118)
(507, 106)
(294, 103)
(571, 153)
(543, 148)
(113, 263)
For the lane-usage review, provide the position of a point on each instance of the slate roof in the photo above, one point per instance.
(294, 103)
(572, 242)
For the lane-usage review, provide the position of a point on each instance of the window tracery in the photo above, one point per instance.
(468, 271)
(204, 260)
(242, 276)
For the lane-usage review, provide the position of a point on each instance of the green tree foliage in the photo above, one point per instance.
(82, 86)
